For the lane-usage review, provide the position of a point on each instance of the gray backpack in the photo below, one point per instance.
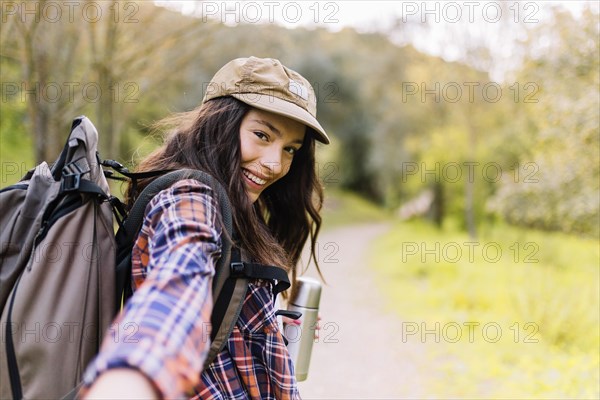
(64, 272)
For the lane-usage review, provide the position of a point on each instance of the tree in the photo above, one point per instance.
(478, 47)
(46, 72)
(95, 63)
(560, 187)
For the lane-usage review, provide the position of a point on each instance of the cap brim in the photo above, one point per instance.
(285, 108)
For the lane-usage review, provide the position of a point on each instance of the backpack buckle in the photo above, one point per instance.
(71, 174)
(237, 269)
(70, 182)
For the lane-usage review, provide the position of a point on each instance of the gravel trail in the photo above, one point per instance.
(360, 353)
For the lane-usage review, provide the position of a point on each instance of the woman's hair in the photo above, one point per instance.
(275, 228)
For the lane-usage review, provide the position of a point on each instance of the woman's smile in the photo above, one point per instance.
(253, 180)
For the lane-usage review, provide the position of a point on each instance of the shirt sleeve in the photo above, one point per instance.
(164, 329)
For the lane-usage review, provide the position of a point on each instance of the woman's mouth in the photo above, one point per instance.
(253, 179)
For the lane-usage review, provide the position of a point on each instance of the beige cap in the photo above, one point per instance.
(267, 84)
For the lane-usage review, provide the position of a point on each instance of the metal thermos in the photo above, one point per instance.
(301, 337)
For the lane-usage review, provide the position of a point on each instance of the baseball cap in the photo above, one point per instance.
(268, 85)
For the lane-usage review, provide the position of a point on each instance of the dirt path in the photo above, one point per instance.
(360, 353)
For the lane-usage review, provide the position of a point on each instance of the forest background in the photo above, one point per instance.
(491, 145)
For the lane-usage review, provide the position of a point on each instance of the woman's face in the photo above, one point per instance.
(268, 143)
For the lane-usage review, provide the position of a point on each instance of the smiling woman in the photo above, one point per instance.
(255, 132)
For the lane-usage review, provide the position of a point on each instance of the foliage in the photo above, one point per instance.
(566, 150)
(16, 147)
(161, 62)
(94, 66)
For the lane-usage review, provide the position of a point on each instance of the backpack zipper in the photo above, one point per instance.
(35, 245)
(13, 366)
(64, 207)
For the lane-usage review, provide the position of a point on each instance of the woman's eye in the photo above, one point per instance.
(291, 150)
(261, 135)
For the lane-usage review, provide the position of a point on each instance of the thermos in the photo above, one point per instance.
(301, 337)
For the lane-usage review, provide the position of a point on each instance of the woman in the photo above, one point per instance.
(255, 131)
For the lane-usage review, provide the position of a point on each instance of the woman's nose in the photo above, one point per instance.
(271, 160)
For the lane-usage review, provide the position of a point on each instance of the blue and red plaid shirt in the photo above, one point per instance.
(164, 330)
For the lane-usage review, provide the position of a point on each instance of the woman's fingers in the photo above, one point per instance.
(289, 321)
(318, 326)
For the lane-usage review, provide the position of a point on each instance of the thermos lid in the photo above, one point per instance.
(308, 293)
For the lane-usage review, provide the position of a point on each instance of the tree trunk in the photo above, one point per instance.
(438, 206)
(105, 117)
(470, 184)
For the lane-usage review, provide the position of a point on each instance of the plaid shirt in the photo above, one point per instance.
(164, 330)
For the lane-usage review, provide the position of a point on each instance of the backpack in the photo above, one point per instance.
(64, 273)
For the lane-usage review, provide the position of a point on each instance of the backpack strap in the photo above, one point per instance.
(261, 271)
(127, 233)
(229, 300)
(133, 176)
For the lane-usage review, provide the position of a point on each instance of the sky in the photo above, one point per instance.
(398, 19)
(366, 15)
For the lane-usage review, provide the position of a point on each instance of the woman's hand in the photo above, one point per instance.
(289, 321)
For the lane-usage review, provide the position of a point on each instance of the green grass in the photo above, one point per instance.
(344, 208)
(542, 292)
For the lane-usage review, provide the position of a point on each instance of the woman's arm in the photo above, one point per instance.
(162, 336)
(122, 383)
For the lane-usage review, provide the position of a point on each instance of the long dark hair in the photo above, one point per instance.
(275, 228)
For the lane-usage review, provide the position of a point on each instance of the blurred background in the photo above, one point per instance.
(465, 142)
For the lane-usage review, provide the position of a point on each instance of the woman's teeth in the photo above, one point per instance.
(254, 178)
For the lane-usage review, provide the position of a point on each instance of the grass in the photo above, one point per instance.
(343, 208)
(514, 314)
